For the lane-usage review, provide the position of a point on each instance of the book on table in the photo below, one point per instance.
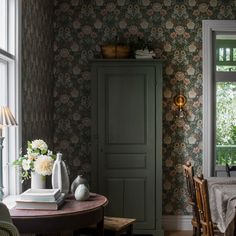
(47, 195)
(40, 199)
(37, 205)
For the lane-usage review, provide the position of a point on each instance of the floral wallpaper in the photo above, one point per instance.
(37, 71)
(174, 29)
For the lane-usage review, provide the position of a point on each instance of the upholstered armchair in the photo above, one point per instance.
(6, 226)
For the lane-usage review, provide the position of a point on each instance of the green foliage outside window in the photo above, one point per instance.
(225, 55)
(226, 123)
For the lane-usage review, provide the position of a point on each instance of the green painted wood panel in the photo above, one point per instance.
(125, 107)
(115, 195)
(125, 129)
(135, 202)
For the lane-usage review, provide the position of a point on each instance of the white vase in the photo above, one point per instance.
(81, 193)
(60, 177)
(37, 180)
(77, 181)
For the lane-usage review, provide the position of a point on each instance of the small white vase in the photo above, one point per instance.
(77, 181)
(37, 181)
(81, 193)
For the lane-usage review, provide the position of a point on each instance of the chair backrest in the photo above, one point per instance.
(202, 199)
(229, 169)
(6, 226)
(188, 174)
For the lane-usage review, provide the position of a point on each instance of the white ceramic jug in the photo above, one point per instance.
(60, 177)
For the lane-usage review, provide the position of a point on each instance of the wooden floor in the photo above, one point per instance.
(167, 233)
(178, 233)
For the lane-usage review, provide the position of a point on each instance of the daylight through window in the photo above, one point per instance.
(9, 86)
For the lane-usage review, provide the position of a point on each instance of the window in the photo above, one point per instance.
(10, 87)
(225, 53)
(225, 79)
(219, 96)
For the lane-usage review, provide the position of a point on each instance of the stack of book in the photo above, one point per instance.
(144, 54)
(40, 199)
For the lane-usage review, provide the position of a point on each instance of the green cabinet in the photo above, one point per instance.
(127, 139)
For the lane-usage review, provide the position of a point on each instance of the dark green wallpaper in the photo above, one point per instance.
(173, 28)
(37, 70)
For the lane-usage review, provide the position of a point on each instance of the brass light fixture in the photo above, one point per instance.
(180, 100)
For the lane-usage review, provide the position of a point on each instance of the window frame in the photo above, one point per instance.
(209, 28)
(12, 56)
(225, 44)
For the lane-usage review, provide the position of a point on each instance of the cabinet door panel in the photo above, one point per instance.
(114, 192)
(125, 113)
(126, 147)
(125, 161)
(135, 204)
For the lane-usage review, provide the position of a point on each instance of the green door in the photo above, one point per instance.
(126, 141)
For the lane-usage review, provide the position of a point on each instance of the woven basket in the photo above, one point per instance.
(115, 51)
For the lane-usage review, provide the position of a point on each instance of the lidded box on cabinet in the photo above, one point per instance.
(115, 51)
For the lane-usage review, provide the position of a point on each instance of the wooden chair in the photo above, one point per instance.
(229, 169)
(188, 174)
(202, 198)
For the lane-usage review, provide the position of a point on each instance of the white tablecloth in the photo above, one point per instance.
(222, 197)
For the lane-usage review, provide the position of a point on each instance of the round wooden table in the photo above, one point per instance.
(71, 216)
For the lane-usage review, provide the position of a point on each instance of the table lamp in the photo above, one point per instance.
(6, 119)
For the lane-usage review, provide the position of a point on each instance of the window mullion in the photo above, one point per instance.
(231, 54)
(221, 76)
(6, 55)
(7, 25)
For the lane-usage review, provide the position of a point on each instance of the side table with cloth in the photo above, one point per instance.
(222, 198)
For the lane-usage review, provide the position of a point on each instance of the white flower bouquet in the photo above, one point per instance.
(38, 159)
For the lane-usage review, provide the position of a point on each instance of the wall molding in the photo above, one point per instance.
(180, 222)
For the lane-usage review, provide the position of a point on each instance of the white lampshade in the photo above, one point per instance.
(6, 117)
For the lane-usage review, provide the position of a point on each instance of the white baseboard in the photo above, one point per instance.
(181, 222)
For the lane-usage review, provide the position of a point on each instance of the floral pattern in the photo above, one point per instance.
(174, 29)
